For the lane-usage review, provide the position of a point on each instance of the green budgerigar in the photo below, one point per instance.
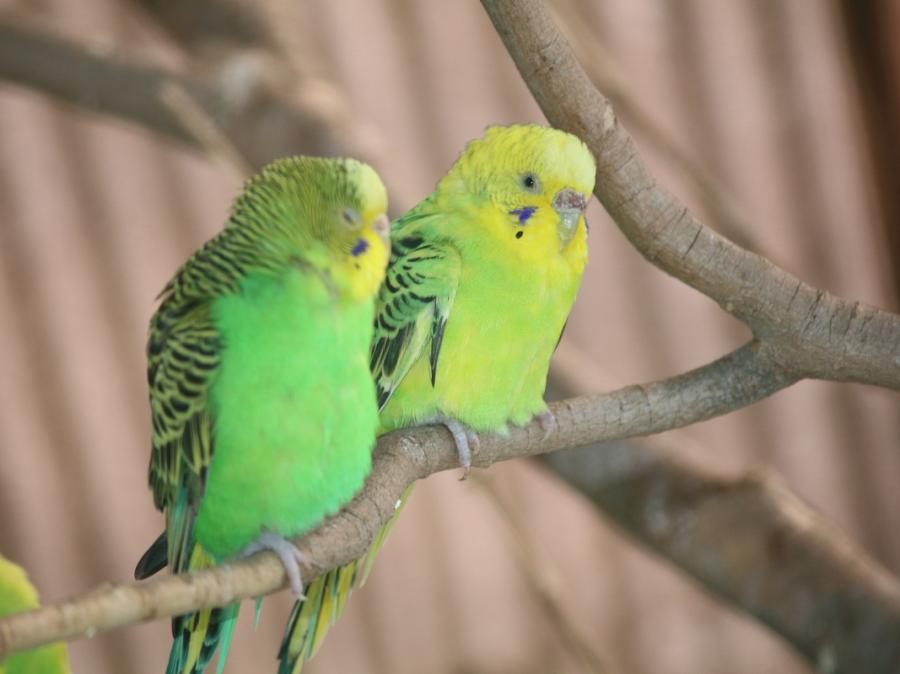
(18, 594)
(263, 407)
(482, 276)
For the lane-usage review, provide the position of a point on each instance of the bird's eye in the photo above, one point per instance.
(530, 182)
(350, 218)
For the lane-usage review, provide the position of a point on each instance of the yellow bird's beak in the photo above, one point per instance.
(569, 205)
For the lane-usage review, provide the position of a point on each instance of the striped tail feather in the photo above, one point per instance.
(198, 635)
(312, 617)
(326, 597)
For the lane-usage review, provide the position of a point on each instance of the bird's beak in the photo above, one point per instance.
(569, 205)
(382, 227)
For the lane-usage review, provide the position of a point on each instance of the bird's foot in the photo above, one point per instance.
(291, 558)
(466, 440)
(547, 422)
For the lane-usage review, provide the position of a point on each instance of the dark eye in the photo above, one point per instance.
(350, 218)
(530, 182)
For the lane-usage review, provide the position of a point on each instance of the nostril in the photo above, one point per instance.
(382, 226)
(569, 199)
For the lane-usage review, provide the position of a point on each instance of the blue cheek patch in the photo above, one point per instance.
(361, 247)
(523, 213)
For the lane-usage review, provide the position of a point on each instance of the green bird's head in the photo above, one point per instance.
(324, 213)
(535, 180)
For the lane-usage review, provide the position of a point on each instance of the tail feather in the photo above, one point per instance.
(381, 536)
(326, 597)
(155, 559)
(198, 635)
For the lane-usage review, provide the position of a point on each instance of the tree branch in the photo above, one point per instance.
(260, 122)
(92, 78)
(198, 23)
(598, 65)
(738, 379)
(753, 543)
(799, 332)
(746, 540)
(814, 332)
(245, 30)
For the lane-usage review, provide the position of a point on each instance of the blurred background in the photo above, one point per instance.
(793, 106)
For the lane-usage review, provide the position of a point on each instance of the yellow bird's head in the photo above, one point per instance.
(537, 181)
(328, 215)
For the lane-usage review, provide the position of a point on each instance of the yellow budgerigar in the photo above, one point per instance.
(481, 279)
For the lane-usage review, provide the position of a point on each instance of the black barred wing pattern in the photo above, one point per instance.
(412, 308)
(183, 352)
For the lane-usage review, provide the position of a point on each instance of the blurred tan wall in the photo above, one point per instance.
(95, 215)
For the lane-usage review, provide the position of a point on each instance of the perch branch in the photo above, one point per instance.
(737, 380)
(799, 332)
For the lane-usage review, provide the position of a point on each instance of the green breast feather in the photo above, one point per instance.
(283, 431)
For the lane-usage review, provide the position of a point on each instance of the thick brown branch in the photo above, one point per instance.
(753, 543)
(820, 335)
(734, 381)
(803, 332)
(748, 541)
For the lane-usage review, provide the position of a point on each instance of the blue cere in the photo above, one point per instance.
(523, 213)
(361, 247)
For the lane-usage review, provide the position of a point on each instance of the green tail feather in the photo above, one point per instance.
(325, 599)
(198, 635)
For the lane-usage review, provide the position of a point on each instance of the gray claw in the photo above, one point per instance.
(548, 423)
(291, 558)
(467, 443)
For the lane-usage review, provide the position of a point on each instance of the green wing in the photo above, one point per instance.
(183, 354)
(412, 308)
